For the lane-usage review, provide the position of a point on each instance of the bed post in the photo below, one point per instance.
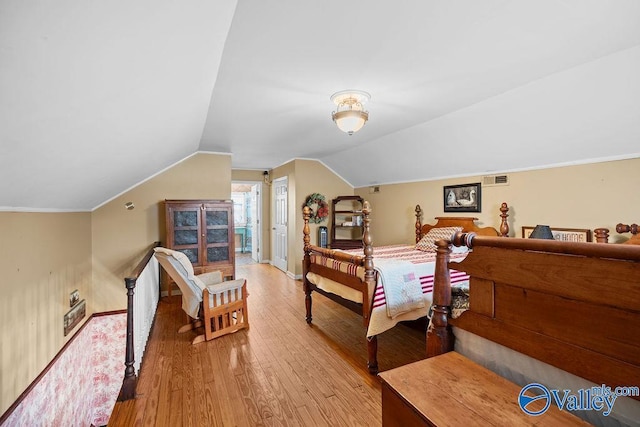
(625, 228)
(418, 223)
(439, 335)
(370, 283)
(306, 262)
(602, 235)
(504, 226)
(634, 229)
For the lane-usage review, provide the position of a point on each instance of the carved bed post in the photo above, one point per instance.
(439, 335)
(418, 223)
(306, 262)
(602, 235)
(625, 228)
(504, 225)
(370, 280)
(369, 272)
(633, 229)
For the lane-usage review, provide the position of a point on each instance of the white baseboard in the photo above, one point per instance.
(294, 276)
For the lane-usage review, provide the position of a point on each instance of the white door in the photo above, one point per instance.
(255, 222)
(280, 223)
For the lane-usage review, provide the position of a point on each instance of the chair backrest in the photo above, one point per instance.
(178, 266)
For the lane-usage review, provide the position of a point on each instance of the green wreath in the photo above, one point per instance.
(319, 208)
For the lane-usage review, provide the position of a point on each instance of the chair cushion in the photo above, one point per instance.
(211, 278)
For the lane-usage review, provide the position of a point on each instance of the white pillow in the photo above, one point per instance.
(428, 241)
(459, 249)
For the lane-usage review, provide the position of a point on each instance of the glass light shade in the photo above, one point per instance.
(350, 115)
(350, 121)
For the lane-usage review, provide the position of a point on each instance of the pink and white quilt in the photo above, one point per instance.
(423, 267)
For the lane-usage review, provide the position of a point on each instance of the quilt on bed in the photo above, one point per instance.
(424, 268)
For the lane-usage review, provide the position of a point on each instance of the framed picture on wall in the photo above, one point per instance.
(563, 234)
(73, 316)
(462, 198)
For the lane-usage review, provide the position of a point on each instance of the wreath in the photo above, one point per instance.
(319, 208)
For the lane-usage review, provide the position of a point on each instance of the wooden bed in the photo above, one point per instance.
(574, 306)
(321, 262)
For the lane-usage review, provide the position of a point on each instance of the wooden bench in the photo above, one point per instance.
(451, 390)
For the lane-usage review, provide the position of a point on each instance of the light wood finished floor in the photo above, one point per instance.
(279, 372)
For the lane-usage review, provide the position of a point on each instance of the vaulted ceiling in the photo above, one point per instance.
(98, 96)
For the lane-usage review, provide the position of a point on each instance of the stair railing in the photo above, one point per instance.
(143, 294)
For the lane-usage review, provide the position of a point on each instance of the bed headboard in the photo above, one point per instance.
(572, 305)
(467, 223)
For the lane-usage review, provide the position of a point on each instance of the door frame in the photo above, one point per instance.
(259, 213)
(274, 242)
(256, 236)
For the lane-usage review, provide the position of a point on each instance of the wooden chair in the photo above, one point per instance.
(221, 307)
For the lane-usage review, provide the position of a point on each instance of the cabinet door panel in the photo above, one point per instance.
(191, 253)
(183, 230)
(185, 218)
(218, 235)
(218, 254)
(185, 237)
(220, 218)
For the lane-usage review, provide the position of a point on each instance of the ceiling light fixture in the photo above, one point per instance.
(350, 115)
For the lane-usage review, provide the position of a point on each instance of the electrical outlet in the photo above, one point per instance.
(74, 297)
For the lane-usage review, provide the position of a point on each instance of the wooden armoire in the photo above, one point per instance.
(203, 230)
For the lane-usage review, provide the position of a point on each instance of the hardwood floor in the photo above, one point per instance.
(279, 372)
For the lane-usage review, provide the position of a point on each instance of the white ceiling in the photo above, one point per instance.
(98, 96)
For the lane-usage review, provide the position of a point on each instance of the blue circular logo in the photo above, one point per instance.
(540, 392)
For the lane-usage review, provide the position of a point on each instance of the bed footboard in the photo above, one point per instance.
(352, 281)
(571, 305)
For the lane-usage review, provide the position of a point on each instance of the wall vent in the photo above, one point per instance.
(374, 189)
(493, 180)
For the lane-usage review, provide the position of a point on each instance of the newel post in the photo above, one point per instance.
(128, 389)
